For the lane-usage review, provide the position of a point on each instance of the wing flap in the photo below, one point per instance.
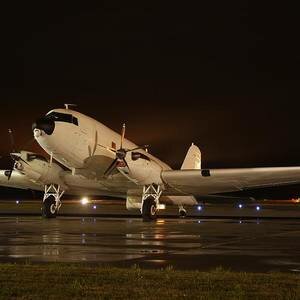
(205, 182)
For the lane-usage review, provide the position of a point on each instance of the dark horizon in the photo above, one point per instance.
(224, 76)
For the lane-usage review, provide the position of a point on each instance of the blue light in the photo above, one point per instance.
(240, 205)
(199, 208)
(257, 208)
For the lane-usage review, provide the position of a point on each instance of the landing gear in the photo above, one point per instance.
(51, 200)
(150, 202)
(182, 212)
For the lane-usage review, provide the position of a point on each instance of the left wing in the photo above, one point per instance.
(18, 180)
(205, 181)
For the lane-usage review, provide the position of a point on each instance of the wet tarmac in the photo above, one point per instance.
(258, 245)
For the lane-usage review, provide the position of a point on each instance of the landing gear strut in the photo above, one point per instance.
(150, 202)
(51, 200)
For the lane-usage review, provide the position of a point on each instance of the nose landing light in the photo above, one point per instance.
(37, 133)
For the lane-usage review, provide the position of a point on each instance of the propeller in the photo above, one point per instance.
(120, 160)
(14, 156)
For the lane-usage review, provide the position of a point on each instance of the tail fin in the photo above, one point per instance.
(192, 159)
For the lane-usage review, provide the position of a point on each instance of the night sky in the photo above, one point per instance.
(224, 76)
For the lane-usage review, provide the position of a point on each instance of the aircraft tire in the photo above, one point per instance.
(48, 209)
(182, 213)
(149, 210)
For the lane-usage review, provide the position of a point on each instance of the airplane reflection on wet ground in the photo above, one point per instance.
(243, 245)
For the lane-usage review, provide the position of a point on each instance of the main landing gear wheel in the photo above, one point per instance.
(149, 209)
(49, 209)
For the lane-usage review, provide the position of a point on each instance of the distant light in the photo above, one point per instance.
(199, 207)
(257, 208)
(94, 207)
(17, 202)
(240, 205)
(84, 201)
(161, 206)
(160, 221)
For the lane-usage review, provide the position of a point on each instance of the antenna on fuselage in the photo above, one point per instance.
(67, 105)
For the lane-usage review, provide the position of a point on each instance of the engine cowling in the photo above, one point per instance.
(38, 169)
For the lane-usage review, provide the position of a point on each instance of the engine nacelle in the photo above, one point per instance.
(38, 169)
(143, 169)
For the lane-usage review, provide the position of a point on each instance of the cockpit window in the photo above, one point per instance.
(32, 156)
(61, 117)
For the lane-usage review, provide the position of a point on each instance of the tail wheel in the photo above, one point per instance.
(149, 209)
(182, 213)
(49, 209)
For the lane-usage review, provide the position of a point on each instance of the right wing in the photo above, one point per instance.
(18, 181)
(208, 182)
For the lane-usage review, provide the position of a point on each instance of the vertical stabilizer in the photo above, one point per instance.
(192, 159)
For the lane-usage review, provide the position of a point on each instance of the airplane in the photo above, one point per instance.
(88, 158)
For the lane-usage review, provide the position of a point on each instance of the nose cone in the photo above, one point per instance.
(44, 124)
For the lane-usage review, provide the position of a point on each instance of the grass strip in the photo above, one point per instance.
(78, 281)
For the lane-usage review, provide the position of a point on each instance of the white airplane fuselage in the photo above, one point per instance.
(86, 146)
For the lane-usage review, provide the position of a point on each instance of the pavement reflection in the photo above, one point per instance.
(245, 245)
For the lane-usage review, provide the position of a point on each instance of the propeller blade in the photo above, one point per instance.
(111, 167)
(122, 135)
(137, 148)
(107, 148)
(24, 161)
(17, 156)
(96, 142)
(9, 174)
(124, 160)
(12, 140)
(11, 168)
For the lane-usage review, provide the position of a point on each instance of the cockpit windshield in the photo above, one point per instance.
(61, 117)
